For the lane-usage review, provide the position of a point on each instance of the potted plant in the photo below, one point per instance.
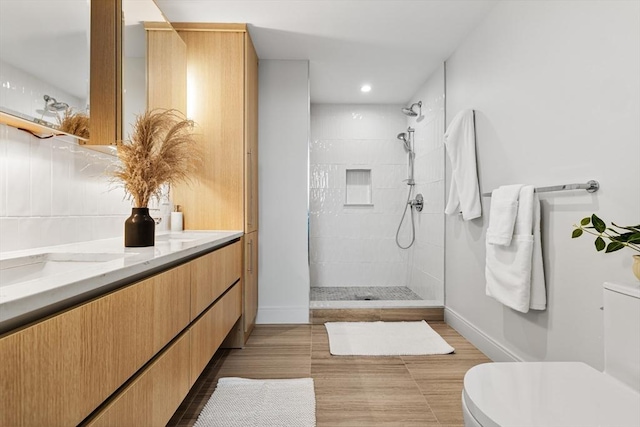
(618, 236)
(161, 150)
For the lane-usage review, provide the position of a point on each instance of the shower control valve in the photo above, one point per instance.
(417, 203)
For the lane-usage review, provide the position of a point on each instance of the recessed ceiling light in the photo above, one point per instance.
(365, 88)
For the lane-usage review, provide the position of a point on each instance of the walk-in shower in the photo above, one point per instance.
(354, 258)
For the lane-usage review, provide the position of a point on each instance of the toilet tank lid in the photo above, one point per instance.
(632, 290)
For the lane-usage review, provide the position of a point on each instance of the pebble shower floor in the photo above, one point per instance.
(363, 293)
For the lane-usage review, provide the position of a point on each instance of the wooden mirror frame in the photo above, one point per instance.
(105, 83)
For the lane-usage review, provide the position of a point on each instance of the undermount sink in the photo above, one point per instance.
(22, 269)
(180, 237)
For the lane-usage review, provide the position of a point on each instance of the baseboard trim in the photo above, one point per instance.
(494, 350)
(273, 315)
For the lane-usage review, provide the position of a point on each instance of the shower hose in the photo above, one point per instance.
(413, 226)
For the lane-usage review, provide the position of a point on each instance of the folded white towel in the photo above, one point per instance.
(504, 209)
(460, 141)
(514, 273)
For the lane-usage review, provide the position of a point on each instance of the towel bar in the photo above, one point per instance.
(591, 187)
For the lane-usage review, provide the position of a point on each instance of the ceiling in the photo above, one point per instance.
(393, 45)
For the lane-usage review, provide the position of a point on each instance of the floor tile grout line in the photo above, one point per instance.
(420, 390)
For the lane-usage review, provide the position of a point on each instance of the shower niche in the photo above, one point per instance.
(358, 187)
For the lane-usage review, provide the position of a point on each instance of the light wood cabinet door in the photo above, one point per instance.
(251, 137)
(215, 65)
(250, 282)
(58, 371)
(152, 398)
(212, 274)
(208, 332)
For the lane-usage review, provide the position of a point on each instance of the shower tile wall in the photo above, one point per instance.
(426, 256)
(355, 245)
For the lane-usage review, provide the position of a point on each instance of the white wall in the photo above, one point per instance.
(426, 256)
(134, 102)
(556, 90)
(355, 245)
(283, 133)
(54, 192)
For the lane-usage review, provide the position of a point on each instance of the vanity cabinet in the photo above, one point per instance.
(144, 339)
(151, 399)
(212, 274)
(223, 101)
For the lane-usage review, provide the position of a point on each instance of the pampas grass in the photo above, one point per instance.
(75, 123)
(162, 149)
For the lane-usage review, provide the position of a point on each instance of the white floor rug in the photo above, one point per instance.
(385, 339)
(251, 403)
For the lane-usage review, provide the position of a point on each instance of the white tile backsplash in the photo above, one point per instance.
(3, 170)
(18, 174)
(53, 191)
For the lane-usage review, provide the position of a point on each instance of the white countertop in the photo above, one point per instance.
(47, 290)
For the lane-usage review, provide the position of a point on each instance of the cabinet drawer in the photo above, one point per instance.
(212, 274)
(58, 371)
(211, 329)
(152, 398)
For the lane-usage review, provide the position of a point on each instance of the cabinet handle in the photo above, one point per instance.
(250, 268)
(250, 188)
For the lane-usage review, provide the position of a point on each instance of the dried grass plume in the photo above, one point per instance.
(162, 149)
(75, 123)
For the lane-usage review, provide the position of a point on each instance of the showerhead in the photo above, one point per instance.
(51, 105)
(409, 111)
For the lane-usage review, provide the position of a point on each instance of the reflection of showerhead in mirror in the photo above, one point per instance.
(53, 106)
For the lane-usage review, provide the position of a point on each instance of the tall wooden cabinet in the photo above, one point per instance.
(222, 98)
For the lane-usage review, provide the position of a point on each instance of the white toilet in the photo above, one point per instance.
(556, 394)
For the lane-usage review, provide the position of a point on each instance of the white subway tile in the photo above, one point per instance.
(41, 184)
(4, 135)
(18, 174)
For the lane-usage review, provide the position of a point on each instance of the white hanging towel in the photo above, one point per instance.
(515, 273)
(460, 141)
(502, 219)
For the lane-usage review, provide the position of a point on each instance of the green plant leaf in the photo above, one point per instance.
(612, 230)
(628, 227)
(598, 224)
(634, 238)
(600, 244)
(614, 246)
(585, 221)
(576, 233)
(624, 237)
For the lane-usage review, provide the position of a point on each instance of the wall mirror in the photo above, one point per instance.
(44, 59)
(134, 64)
(50, 63)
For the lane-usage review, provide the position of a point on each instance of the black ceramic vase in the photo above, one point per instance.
(139, 229)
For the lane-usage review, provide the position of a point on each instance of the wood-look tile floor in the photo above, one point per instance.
(350, 390)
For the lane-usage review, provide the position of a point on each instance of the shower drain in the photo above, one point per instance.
(366, 298)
